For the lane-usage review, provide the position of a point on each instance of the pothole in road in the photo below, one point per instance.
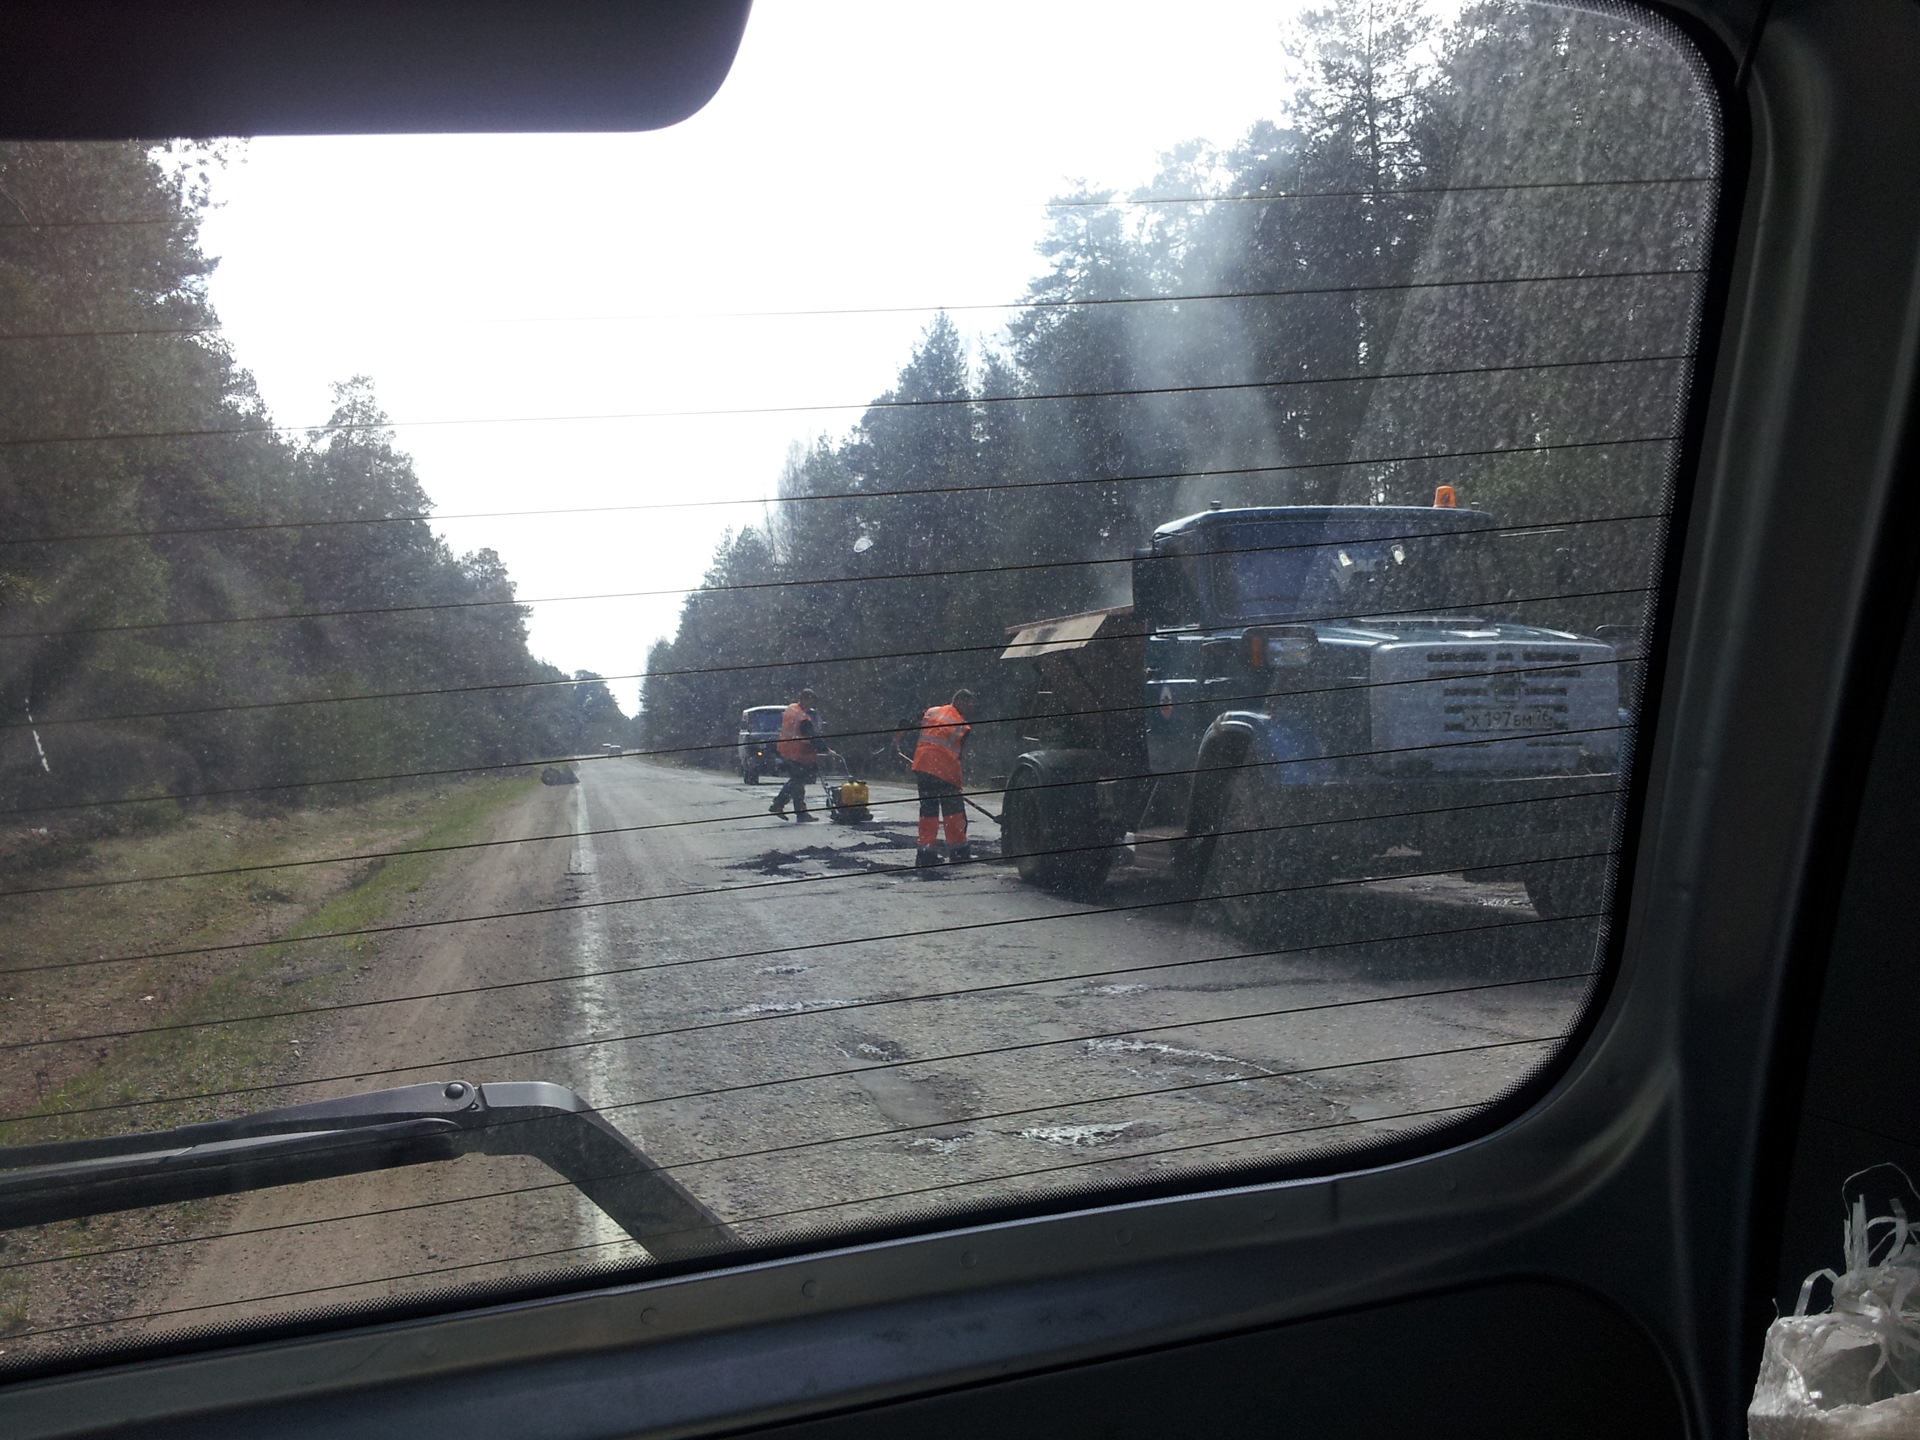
(787, 1007)
(1084, 1137)
(876, 1050)
(857, 856)
(938, 1144)
(833, 857)
(1155, 1051)
(1456, 890)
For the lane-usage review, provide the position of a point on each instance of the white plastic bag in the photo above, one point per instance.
(1852, 1373)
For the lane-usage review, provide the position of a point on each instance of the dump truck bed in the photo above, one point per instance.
(1091, 669)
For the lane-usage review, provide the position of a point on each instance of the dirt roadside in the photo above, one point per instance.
(124, 1277)
(359, 1238)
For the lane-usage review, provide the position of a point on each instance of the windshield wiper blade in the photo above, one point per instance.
(378, 1130)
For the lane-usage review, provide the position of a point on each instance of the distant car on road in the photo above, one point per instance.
(759, 734)
(611, 749)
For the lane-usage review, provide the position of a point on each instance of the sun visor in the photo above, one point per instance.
(132, 69)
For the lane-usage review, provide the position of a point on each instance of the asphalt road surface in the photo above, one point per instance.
(812, 1035)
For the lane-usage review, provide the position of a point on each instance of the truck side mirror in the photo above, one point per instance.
(1162, 598)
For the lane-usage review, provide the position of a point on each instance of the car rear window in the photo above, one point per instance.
(396, 534)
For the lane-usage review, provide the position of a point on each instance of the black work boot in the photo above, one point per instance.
(800, 814)
(777, 810)
(926, 858)
(960, 854)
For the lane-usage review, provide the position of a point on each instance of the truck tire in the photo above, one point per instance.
(1051, 825)
(1235, 863)
(750, 775)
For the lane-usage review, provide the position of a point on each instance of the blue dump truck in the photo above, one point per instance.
(1301, 697)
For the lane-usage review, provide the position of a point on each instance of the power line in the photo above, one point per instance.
(1235, 387)
(1106, 1160)
(749, 586)
(1374, 191)
(1265, 892)
(1110, 1098)
(177, 218)
(868, 1067)
(774, 884)
(834, 312)
(327, 1009)
(648, 827)
(687, 750)
(410, 516)
(1015, 1047)
(300, 702)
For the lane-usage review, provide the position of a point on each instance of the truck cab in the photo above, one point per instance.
(1329, 693)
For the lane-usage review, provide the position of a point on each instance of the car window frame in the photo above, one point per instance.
(1670, 1068)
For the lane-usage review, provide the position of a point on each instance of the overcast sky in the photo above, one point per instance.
(539, 313)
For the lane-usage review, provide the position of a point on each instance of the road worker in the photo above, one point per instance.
(799, 750)
(943, 735)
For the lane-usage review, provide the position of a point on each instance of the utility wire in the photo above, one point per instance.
(673, 751)
(44, 722)
(1266, 892)
(735, 1157)
(835, 312)
(1105, 1160)
(750, 586)
(869, 1067)
(410, 516)
(1145, 392)
(640, 829)
(1374, 191)
(1543, 669)
(993, 1052)
(177, 218)
(46, 1042)
(522, 1258)
(668, 895)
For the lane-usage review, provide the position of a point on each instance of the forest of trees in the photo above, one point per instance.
(1467, 254)
(149, 513)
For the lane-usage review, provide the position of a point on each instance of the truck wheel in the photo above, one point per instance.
(750, 775)
(1050, 827)
(1236, 871)
(1566, 889)
(1249, 872)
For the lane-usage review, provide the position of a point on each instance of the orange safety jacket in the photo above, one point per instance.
(795, 744)
(943, 734)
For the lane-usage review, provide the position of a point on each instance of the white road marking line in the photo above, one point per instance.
(595, 1010)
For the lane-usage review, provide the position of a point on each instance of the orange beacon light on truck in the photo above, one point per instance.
(1445, 497)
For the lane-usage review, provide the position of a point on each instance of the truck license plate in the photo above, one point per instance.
(1495, 719)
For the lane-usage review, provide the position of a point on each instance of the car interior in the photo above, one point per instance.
(1593, 1242)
